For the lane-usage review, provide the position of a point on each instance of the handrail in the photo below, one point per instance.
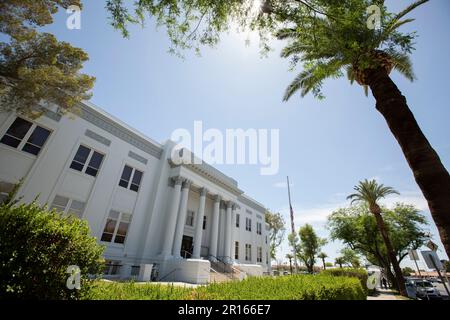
(186, 254)
(162, 278)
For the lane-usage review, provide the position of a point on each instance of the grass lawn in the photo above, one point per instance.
(298, 287)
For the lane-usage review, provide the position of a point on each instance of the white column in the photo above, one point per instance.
(179, 231)
(199, 225)
(214, 227)
(228, 231)
(172, 218)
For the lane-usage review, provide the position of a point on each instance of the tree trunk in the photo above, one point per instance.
(391, 253)
(324, 266)
(429, 172)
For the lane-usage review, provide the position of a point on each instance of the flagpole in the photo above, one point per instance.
(294, 249)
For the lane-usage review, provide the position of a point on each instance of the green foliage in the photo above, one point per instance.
(407, 271)
(361, 274)
(370, 192)
(350, 257)
(132, 291)
(37, 247)
(309, 246)
(277, 231)
(356, 226)
(298, 287)
(35, 68)
(326, 37)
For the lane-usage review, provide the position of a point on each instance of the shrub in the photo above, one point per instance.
(297, 287)
(361, 274)
(36, 248)
(131, 291)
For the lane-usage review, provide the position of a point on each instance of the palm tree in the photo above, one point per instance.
(322, 256)
(338, 40)
(290, 257)
(371, 192)
(339, 261)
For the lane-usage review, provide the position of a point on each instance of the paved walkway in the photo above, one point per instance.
(386, 294)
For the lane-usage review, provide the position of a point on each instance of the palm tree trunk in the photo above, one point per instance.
(391, 254)
(429, 172)
(323, 261)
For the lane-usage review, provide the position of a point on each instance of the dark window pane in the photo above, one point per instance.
(107, 237)
(19, 128)
(96, 160)
(134, 187)
(39, 136)
(31, 149)
(82, 154)
(123, 228)
(137, 177)
(10, 141)
(123, 183)
(119, 239)
(126, 173)
(92, 172)
(77, 166)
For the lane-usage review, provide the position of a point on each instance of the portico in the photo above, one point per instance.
(183, 186)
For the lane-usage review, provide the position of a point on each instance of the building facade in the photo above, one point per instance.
(147, 210)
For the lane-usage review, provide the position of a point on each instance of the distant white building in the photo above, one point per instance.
(138, 203)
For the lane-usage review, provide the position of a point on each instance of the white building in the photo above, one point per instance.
(138, 203)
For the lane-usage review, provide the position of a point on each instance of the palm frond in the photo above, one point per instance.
(402, 63)
(408, 9)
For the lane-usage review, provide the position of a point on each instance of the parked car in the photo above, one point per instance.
(425, 290)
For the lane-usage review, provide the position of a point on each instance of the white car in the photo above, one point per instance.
(426, 291)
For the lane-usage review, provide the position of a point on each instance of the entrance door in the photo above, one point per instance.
(186, 247)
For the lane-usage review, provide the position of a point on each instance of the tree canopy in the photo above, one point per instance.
(277, 231)
(357, 228)
(36, 68)
(309, 246)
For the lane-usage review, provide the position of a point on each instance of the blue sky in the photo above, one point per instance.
(326, 147)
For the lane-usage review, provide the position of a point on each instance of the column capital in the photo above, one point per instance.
(230, 204)
(203, 192)
(217, 198)
(178, 180)
(187, 184)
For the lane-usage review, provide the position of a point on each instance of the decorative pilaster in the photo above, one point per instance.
(228, 222)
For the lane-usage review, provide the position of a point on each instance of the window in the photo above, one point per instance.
(248, 224)
(190, 218)
(238, 217)
(248, 252)
(236, 250)
(87, 161)
(267, 258)
(116, 227)
(127, 173)
(266, 239)
(68, 206)
(112, 267)
(204, 222)
(259, 254)
(258, 228)
(26, 136)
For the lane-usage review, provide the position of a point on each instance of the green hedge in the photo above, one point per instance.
(298, 287)
(36, 248)
(361, 274)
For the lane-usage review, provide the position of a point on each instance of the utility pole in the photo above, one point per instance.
(294, 249)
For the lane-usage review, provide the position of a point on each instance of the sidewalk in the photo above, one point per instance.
(386, 294)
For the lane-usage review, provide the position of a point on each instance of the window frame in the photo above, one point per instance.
(24, 141)
(236, 250)
(86, 164)
(237, 220)
(248, 224)
(248, 252)
(130, 183)
(259, 254)
(114, 234)
(188, 216)
(68, 206)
